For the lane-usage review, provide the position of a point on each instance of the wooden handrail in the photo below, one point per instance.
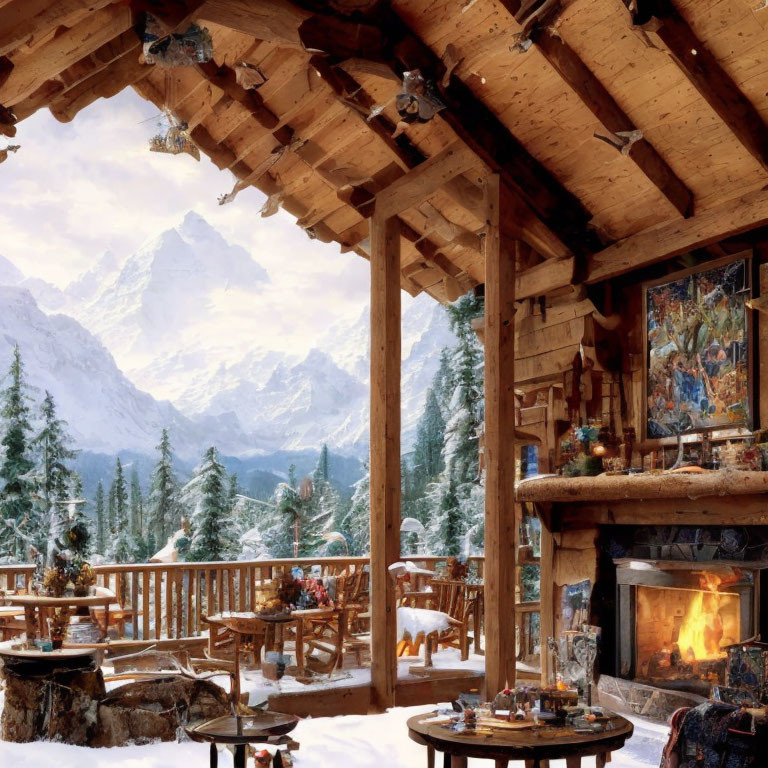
(168, 600)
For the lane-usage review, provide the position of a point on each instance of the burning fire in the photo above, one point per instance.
(702, 628)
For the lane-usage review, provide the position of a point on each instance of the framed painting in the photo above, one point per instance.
(698, 349)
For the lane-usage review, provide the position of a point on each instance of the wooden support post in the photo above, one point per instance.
(499, 447)
(546, 597)
(385, 452)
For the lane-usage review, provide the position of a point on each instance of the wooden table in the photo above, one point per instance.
(241, 730)
(533, 746)
(37, 608)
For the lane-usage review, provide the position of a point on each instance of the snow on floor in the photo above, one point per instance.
(352, 741)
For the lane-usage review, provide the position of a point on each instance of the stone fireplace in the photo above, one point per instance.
(673, 624)
(681, 596)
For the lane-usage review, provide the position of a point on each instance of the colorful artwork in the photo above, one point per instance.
(698, 355)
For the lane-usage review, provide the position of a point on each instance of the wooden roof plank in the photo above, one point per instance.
(674, 238)
(666, 29)
(599, 101)
(23, 20)
(474, 123)
(105, 82)
(31, 71)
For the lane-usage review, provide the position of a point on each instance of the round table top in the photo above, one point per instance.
(247, 623)
(258, 727)
(48, 602)
(543, 742)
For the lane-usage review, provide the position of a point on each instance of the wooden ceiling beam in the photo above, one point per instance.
(475, 124)
(665, 241)
(288, 24)
(425, 179)
(102, 57)
(106, 82)
(593, 94)
(664, 28)
(72, 45)
(23, 21)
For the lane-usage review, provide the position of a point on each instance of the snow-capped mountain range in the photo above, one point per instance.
(123, 350)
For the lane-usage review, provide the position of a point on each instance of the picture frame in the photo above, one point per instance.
(698, 351)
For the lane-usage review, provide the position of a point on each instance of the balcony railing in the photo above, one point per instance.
(168, 600)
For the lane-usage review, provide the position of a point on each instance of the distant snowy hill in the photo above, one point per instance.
(105, 411)
(151, 310)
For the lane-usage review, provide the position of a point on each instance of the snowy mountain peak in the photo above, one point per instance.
(10, 274)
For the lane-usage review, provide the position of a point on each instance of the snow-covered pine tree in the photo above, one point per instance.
(102, 524)
(430, 436)
(80, 516)
(111, 521)
(357, 521)
(136, 524)
(213, 537)
(322, 510)
(454, 505)
(162, 506)
(277, 520)
(16, 509)
(51, 477)
(124, 545)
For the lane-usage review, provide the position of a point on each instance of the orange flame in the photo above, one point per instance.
(702, 628)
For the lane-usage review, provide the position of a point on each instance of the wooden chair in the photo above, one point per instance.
(457, 599)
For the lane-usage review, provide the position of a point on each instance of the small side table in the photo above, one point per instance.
(240, 730)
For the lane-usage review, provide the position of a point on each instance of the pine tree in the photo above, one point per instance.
(430, 435)
(52, 476)
(102, 524)
(453, 501)
(292, 475)
(137, 506)
(123, 544)
(357, 521)
(163, 508)
(212, 534)
(16, 510)
(111, 518)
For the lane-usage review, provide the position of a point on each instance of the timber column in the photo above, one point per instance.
(385, 452)
(499, 443)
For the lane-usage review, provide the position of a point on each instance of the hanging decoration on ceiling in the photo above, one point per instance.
(418, 102)
(175, 138)
(178, 49)
(7, 150)
(260, 170)
(248, 76)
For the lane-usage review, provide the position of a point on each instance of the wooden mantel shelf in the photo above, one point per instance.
(646, 486)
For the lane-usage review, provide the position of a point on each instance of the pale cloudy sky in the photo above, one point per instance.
(75, 190)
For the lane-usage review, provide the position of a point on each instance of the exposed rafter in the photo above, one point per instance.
(475, 124)
(593, 94)
(664, 28)
(667, 240)
(23, 21)
(64, 50)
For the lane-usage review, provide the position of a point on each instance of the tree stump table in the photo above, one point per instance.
(533, 746)
(50, 695)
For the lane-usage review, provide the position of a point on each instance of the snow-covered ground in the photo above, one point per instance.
(352, 741)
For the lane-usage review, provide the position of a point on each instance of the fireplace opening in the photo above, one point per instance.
(674, 621)
(682, 634)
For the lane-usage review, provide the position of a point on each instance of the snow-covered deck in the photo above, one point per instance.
(355, 741)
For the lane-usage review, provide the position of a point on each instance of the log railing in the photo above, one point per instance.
(169, 600)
